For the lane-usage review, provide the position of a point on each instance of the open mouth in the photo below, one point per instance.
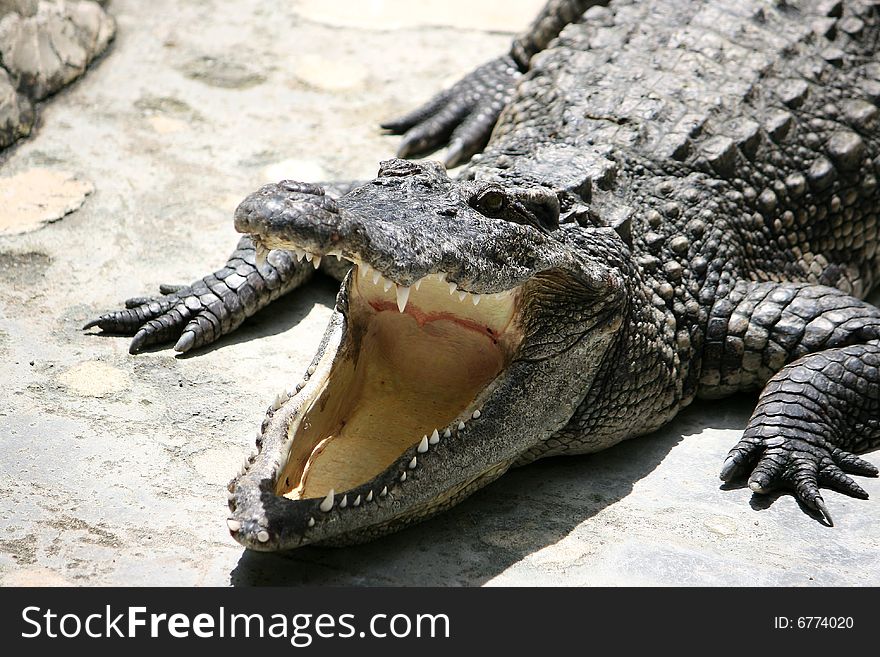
(416, 364)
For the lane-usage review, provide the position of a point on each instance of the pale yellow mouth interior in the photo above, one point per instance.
(399, 376)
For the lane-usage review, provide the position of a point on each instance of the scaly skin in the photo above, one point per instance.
(714, 171)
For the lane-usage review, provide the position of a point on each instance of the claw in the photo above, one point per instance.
(94, 322)
(134, 302)
(728, 469)
(138, 341)
(454, 154)
(185, 343)
(821, 508)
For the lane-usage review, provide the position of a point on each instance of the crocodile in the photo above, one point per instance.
(661, 201)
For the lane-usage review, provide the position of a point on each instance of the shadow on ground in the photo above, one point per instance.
(528, 509)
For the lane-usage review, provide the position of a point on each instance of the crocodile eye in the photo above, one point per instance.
(491, 202)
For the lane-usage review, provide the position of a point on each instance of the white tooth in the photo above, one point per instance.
(412, 463)
(343, 502)
(230, 495)
(262, 536)
(476, 414)
(447, 433)
(403, 477)
(299, 386)
(234, 525)
(387, 285)
(316, 262)
(441, 276)
(327, 504)
(309, 256)
(376, 277)
(452, 288)
(311, 522)
(462, 295)
(369, 497)
(384, 491)
(311, 370)
(461, 426)
(476, 299)
(299, 253)
(364, 270)
(402, 297)
(435, 438)
(337, 256)
(417, 283)
(423, 445)
(357, 501)
(260, 255)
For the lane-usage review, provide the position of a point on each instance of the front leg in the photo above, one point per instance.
(810, 420)
(814, 353)
(463, 116)
(199, 313)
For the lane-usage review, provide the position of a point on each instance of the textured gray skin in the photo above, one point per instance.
(44, 46)
(714, 167)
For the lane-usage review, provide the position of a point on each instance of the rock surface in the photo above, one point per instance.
(113, 467)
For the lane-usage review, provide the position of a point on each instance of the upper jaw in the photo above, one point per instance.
(399, 237)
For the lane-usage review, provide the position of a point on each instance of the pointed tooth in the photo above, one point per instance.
(387, 285)
(260, 254)
(234, 525)
(376, 277)
(447, 433)
(299, 254)
(316, 262)
(363, 270)
(369, 497)
(309, 256)
(413, 462)
(435, 438)
(441, 276)
(423, 445)
(327, 504)
(452, 288)
(476, 414)
(343, 502)
(311, 370)
(461, 426)
(417, 284)
(402, 297)
(462, 295)
(475, 298)
(357, 501)
(402, 477)
(384, 491)
(311, 522)
(263, 536)
(337, 256)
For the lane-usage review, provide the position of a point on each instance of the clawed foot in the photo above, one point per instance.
(198, 314)
(802, 464)
(180, 313)
(462, 116)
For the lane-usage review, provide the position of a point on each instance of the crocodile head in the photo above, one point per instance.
(469, 329)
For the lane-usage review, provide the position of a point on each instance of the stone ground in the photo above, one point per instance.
(113, 467)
